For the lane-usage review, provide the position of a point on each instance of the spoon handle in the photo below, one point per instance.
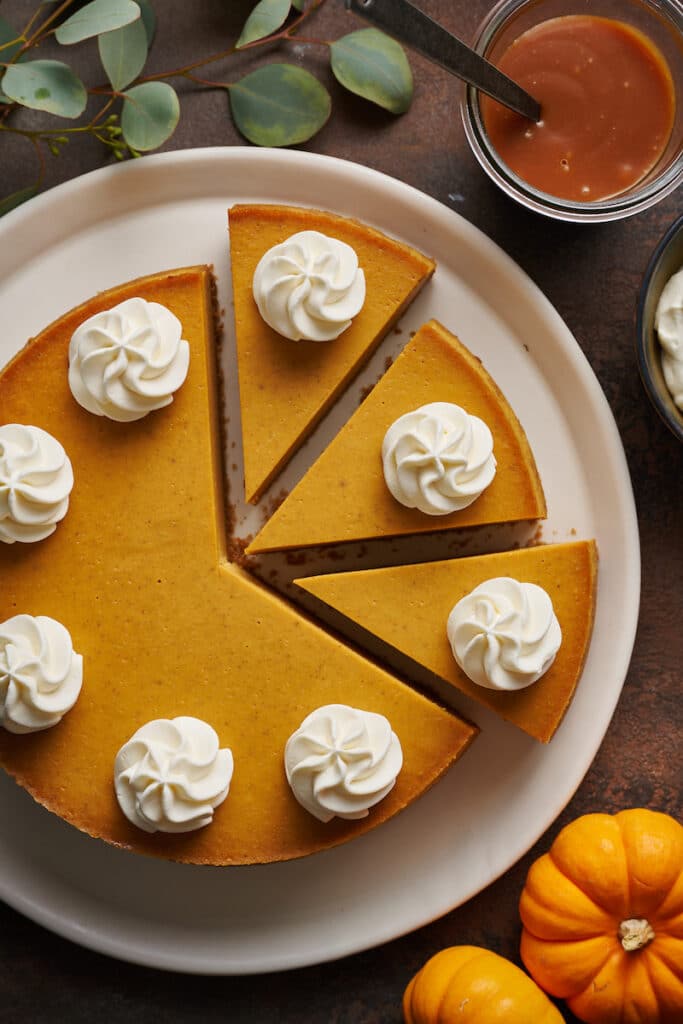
(420, 32)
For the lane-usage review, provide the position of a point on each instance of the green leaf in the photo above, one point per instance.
(299, 4)
(149, 19)
(123, 53)
(375, 67)
(17, 198)
(266, 17)
(150, 114)
(279, 105)
(46, 85)
(95, 18)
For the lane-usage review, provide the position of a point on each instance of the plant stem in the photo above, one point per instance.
(283, 34)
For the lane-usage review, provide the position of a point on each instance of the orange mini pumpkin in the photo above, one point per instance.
(603, 918)
(470, 985)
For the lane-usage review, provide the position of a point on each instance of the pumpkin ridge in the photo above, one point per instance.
(598, 906)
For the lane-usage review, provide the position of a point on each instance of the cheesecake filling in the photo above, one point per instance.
(40, 673)
(36, 479)
(309, 287)
(342, 761)
(438, 458)
(171, 775)
(127, 361)
(504, 634)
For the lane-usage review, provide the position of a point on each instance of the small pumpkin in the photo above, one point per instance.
(470, 985)
(603, 918)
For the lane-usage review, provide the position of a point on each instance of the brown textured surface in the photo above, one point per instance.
(591, 275)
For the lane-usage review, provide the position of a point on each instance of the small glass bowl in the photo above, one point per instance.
(662, 21)
(666, 260)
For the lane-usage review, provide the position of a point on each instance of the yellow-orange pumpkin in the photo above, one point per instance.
(470, 985)
(603, 918)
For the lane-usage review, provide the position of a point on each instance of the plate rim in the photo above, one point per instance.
(96, 182)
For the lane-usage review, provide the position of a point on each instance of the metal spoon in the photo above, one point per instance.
(410, 26)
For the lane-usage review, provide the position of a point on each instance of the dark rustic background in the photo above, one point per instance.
(591, 275)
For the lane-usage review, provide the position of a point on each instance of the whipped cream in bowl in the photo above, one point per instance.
(40, 673)
(669, 329)
(309, 287)
(127, 361)
(438, 458)
(171, 775)
(504, 635)
(36, 479)
(341, 761)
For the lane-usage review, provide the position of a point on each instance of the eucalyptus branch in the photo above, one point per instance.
(276, 104)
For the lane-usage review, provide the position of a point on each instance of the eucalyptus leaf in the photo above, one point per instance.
(150, 114)
(266, 17)
(149, 19)
(46, 85)
(17, 198)
(374, 66)
(279, 105)
(95, 18)
(123, 53)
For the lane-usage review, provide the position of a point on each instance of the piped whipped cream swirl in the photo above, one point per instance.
(36, 479)
(171, 775)
(309, 287)
(40, 673)
(127, 361)
(669, 327)
(342, 761)
(438, 458)
(504, 634)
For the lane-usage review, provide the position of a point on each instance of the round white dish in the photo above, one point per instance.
(170, 210)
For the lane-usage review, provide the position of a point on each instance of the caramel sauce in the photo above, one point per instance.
(607, 107)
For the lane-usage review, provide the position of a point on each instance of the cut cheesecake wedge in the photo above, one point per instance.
(344, 497)
(137, 573)
(287, 386)
(407, 608)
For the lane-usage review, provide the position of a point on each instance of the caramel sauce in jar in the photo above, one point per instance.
(607, 107)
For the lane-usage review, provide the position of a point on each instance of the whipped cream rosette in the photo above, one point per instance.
(504, 634)
(127, 361)
(438, 458)
(309, 287)
(40, 673)
(171, 775)
(342, 761)
(36, 479)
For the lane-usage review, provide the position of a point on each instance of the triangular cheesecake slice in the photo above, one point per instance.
(407, 608)
(344, 497)
(287, 386)
(137, 573)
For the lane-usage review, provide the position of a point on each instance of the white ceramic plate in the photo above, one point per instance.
(170, 210)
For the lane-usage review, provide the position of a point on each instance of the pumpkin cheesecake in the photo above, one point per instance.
(407, 607)
(169, 632)
(345, 495)
(287, 385)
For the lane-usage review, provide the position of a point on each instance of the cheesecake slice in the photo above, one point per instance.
(407, 608)
(287, 386)
(344, 496)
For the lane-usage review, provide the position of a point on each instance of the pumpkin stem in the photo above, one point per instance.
(635, 933)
